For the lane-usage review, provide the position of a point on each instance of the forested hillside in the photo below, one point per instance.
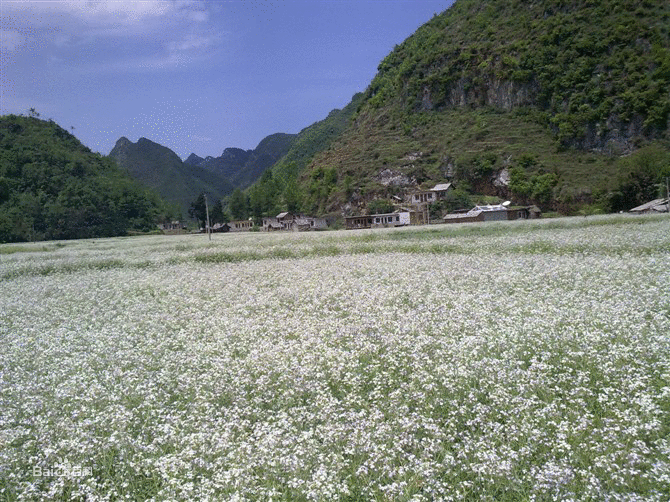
(53, 187)
(280, 189)
(597, 70)
(564, 104)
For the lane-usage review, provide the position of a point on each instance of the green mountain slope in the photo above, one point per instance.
(53, 187)
(159, 168)
(535, 101)
(278, 188)
(314, 139)
(269, 151)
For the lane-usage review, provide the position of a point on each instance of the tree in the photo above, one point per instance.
(543, 188)
(380, 206)
(647, 169)
(457, 199)
(237, 205)
(519, 183)
(198, 210)
(292, 196)
(257, 201)
(216, 214)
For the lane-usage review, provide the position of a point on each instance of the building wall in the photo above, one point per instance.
(465, 219)
(416, 218)
(354, 222)
(319, 224)
(404, 218)
(423, 197)
(390, 220)
(495, 215)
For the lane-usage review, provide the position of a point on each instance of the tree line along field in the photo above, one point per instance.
(497, 361)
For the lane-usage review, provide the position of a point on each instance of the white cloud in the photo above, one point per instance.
(108, 14)
(191, 42)
(123, 12)
(143, 34)
(116, 11)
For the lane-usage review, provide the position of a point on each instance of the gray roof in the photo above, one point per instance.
(497, 207)
(458, 216)
(658, 205)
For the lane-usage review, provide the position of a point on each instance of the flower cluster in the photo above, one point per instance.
(494, 362)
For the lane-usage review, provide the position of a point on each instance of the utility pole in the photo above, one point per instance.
(209, 230)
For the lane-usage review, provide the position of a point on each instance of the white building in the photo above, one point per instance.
(390, 219)
(438, 192)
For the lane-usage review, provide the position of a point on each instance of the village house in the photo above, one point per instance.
(354, 222)
(271, 224)
(390, 220)
(241, 225)
(495, 212)
(286, 220)
(523, 213)
(305, 223)
(171, 227)
(398, 219)
(220, 228)
(296, 223)
(437, 193)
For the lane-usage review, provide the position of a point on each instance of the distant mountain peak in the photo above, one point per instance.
(123, 141)
(194, 160)
(243, 167)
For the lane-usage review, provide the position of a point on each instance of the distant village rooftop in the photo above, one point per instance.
(441, 187)
(654, 206)
(494, 212)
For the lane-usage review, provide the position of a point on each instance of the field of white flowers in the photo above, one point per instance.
(508, 361)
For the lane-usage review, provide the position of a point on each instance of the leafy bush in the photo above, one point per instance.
(380, 206)
(647, 170)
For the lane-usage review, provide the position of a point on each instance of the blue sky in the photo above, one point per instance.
(195, 76)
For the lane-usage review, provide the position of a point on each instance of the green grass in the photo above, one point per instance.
(30, 248)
